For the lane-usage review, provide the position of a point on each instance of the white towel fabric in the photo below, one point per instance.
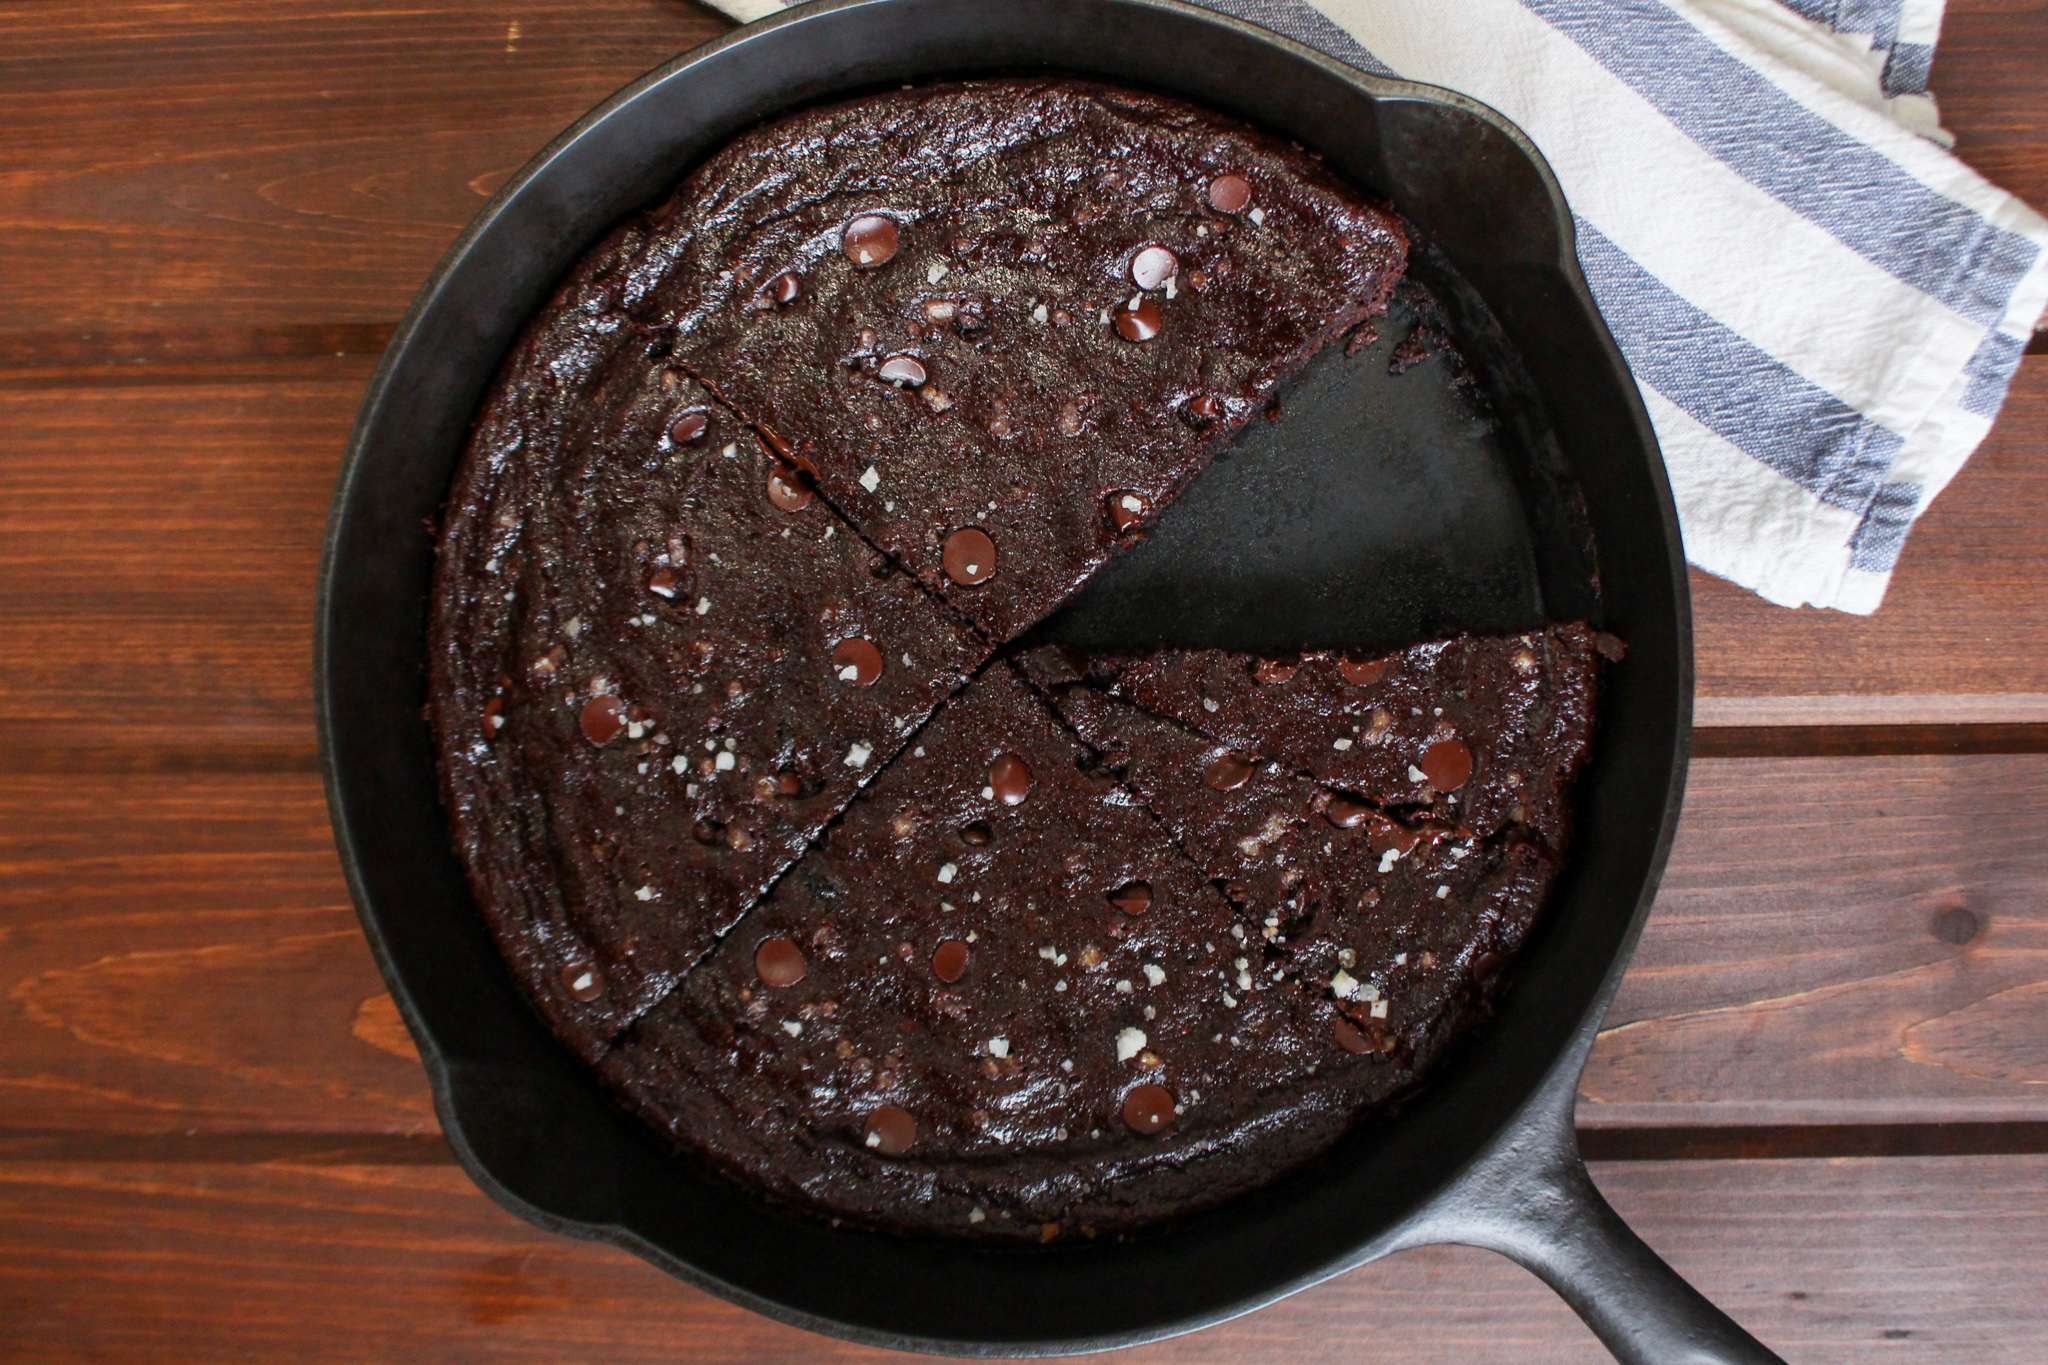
(1822, 307)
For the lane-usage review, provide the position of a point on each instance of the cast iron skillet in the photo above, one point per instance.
(1373, 512)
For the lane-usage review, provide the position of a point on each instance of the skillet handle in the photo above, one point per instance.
(1566, 1232)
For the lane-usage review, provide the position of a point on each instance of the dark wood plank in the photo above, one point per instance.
(218, 177)
(1987, 79)
(1853, 943)
(1966, 589)
(1939, 1260)
(182, 956)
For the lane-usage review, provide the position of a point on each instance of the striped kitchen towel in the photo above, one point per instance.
(1823, 308)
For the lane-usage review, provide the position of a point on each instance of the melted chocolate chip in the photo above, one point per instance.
(1126, 509)
(1149, 1109)
(789, 784)
(891, 1131)
(1447, 764)
(583, 981)
(1347, 812)
(858, 657)
(1139, 321)
(787, 491)
(1153, 266)
(1229, 772)
(1487, 966)
(1362, 672)
(1352, 1038)
(662, 582)
(779, 962)
(870, 240)
(977, 835)
(904, 371)
(689, 428)
(1010, 778)
(1204, 407)
(785, 288)
(1133, 898)
(1273, 670)
(969, 556)
(1229, 193)
(1385, 834)
(602, 720)
(949, 963)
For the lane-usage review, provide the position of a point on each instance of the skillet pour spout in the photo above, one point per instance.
(1578, 523)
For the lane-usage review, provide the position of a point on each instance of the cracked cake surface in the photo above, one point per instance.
(776, 817)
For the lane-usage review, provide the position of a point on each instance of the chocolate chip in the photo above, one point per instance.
(861, 657)
(494, 716)
(1229, 772)
(785, 287)
(1385, 834)
(969, 556)
(1347, 812)
(1273, 670)
(891, 1131)
(1153, 266)
(1229, 193)
(787, 490)
(1447, 764)
(1351, 1038)
(1204, 407)
(1133, 898)
(1487, 966)
(789, 784)
(904, 371)
(949, 963)
(1126, 509)
(1362, 672)
(1010, 778)
(662, 582)
(1149, 1109)
(689, 428)
(869, 240)
(1139, 320)
(977, 834)
(603, 718)
(583, 981)
(779, 962)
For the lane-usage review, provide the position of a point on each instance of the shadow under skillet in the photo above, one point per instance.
(1377, 510)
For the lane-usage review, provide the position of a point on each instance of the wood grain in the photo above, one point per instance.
(1935, 1259)
(1987, 79)
(181, 959)
(206, 174)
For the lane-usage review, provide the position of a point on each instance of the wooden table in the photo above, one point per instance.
(1823, 1093)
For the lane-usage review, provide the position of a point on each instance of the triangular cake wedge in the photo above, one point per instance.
(1006, 321)
(1482, 733)
(1400, 929)
(660, 669)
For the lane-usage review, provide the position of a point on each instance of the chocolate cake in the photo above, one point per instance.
(777, 818)
(1485, 733)
(997, 999)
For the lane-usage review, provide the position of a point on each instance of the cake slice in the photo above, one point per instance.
(1480, 733)
(1398, 930)
(1004, 322)
(662, 667)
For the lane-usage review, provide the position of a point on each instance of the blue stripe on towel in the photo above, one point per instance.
(1853, 191)
(1747, 397)
(1991, 370)
(1875, 546)
(1907, 69)
(1304, 23)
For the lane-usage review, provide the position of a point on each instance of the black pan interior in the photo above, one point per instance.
(1453, 513)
